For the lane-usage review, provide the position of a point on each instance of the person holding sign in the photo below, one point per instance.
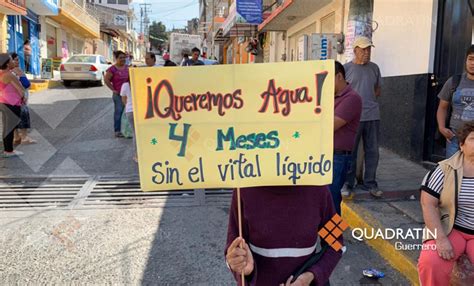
(347, 111)
(280, 227)
(115, 77)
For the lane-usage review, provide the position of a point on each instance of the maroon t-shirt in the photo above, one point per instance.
(347, 106)
(277, 218)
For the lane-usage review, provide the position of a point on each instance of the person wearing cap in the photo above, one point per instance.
(12, 97)
(365, 78)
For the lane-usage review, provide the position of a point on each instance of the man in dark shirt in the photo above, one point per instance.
(460, 100)
(347, 112)
(194, 60)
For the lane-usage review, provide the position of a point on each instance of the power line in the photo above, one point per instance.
(194, 2)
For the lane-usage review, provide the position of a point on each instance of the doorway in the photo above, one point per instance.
(453, 36)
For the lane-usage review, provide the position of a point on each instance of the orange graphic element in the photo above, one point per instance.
(332, 230)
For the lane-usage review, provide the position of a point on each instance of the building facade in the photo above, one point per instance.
(419, 44)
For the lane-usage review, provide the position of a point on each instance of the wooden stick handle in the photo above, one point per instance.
(239, 214)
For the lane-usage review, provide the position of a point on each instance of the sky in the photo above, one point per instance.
(171, 12)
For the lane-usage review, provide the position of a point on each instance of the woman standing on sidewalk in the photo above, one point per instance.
(21, 133)
(447, 200)
(115, 77)
(126, 94)
(11, 99)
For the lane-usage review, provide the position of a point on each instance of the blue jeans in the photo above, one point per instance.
(118, 110)
(369, 132)
(341, 166)
(452, 147)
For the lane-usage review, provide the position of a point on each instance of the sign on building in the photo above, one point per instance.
(324, 46)
(47, 68)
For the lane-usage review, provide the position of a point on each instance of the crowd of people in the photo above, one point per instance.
(117, 79)
(281, 238)
(14, 87)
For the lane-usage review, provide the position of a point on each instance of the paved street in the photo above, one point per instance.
(131, 245)
(74, 128)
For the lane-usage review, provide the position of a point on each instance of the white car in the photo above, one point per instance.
(90, 68)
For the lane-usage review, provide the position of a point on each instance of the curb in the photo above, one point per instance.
(44, 84)
(358, 217)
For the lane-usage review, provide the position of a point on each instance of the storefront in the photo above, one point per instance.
(22, 29)
(72, 31)
(240, 27)
(51, 39)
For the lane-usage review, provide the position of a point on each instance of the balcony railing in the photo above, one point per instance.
(20, 3)
(80, 14)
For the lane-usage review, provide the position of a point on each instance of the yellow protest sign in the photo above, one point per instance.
(234, 125)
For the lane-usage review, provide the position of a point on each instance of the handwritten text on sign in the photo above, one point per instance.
(234, 125)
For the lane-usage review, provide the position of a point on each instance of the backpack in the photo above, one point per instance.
(455, 81)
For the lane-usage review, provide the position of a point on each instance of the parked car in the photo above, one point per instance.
(89, 68)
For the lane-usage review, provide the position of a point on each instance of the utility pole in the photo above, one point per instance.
(141, 20)
(145, 8)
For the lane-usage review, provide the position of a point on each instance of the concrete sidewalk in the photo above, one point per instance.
(400, 180)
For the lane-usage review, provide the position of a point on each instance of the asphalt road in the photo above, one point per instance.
(74, 129)
(118, 246)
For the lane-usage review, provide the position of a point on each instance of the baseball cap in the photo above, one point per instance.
(362, 42)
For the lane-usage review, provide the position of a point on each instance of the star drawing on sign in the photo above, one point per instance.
(154, 141)
(297, 135)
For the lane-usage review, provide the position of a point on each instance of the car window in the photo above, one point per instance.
(82, 59)
(103, 61)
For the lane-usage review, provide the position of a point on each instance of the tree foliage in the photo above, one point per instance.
(158, 35)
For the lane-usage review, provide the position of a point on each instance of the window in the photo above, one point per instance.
(111, 1)
(103, 61)
(123, 2)
(328, 23)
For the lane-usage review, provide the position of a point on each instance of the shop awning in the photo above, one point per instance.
(110, 31)
(219, 37)
(290, 13)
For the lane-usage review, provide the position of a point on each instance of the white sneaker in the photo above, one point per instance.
(12, 154)
(347, 192)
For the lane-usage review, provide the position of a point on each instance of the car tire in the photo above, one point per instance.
(101, 82)
(67, 83)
